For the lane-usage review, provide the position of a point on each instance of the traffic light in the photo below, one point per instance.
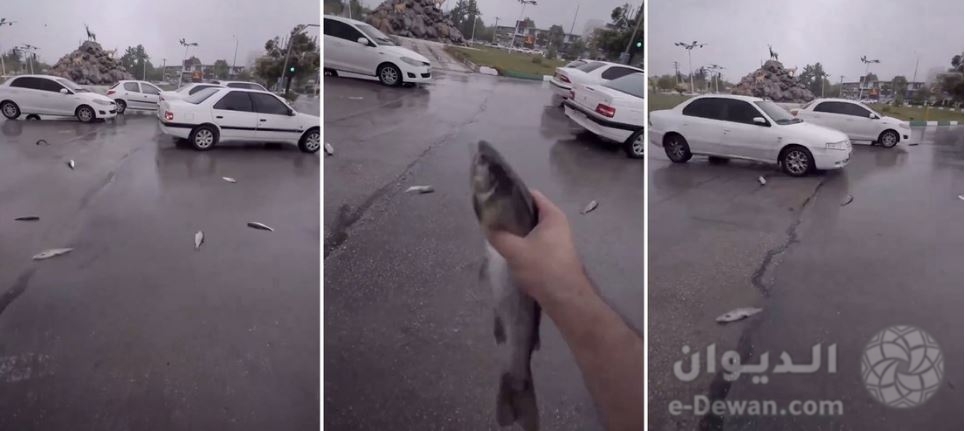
(639, 44)
(290, 71)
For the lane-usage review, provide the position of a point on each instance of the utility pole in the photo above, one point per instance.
(634, 35)
(235, 58)
(522, 8)
(186, 45)
(690, 47)
(3, 67)
(676, 74)
(495, 29)
(867, 66)
(574, 18)
(164, 63)
(915, 76)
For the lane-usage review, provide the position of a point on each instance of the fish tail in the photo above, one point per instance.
(517, 402)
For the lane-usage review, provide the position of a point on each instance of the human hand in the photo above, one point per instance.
(544, 262)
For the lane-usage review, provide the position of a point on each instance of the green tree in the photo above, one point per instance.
(333, 7)
(556, 37)
(812, 77)
(666, 82)
(137, 62)
(957, 64)
(922, 95)
(576, 49)
(463, 14)
(899, 85)
(613, 40)
(304, 57)
(221, 69)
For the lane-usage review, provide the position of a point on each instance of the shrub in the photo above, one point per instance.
(538, 60)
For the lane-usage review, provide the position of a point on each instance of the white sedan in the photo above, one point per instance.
(220, 114)
(241, 84)
(53, 95)
(612, 110)
(356, 47)
(186, 90)
(138, 95)
(592, 72)
(856, 119)
(751, 128)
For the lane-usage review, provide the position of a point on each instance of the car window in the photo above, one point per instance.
(630, 84)
(149, 89)
(857, 110)
(71, 85)
(201, 96)
(740, 111)
(778, 114)
(131, 86)
(268, 104)
(198, 88)
(831, 108)
(708, 107)
(23, 83)
(575, 63)
(589, 67)
(616, 72)
(342, 30)
(235, 101)
(375, 34)
(48, 85)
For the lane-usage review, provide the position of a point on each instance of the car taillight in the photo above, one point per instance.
(109, 92)
(794, 112)
(564, 78)
(606, 111)
(168, 115)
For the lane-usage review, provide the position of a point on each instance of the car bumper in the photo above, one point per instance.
(106, 113)
(611, 130)
(177, 130)
(656, 137)
(560, 89)
(831, 159)
(416, 74)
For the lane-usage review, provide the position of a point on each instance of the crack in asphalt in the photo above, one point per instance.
(347, 218)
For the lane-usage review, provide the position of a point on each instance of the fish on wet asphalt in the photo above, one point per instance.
(198, 239)
(502, 202)
(590, 207)
(53, 252)
(738, 314)
(260, 226)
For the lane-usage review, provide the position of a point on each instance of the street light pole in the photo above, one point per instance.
(867, 66)
(234, 60)
(495, 29)
(522, 8)
(690, 47)
(186, 45)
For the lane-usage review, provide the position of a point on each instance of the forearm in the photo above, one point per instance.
(608, 352)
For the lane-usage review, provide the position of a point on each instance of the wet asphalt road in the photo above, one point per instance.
(135, 329)
(822, 272)
(408, 327)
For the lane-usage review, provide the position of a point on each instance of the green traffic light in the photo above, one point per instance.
(639, 44)
(292, 69)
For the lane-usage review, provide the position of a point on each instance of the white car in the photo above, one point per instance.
(612, 110)
(220, 114)
(241, 84)
(356, 47)
(592, 72)
(186, 90)
(751, 128)
(855, 119)
(138, 95)
(53, 95)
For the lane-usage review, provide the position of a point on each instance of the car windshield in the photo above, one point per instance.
(575, 63)
(374, 33)
(631, 84)
(71, 85)
(201, 96)
(589, 67)
(777, 113)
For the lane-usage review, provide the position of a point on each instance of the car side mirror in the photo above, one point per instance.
(362, 41)
(64, 91)
(291, 112)
(760, 121)
(872, 116)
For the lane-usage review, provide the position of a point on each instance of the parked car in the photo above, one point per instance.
(593, 72)
(751, 128)
(220, 114)
(612, 110)
(855, 119)
(138, 95)
(53, 95)
(186, 90)
(356, 47)
(241, 84)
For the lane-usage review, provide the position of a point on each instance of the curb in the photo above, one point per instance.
(922, 123)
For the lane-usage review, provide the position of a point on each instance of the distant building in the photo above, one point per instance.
(876, 89)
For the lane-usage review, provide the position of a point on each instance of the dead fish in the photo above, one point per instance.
(262, 226)
(962, 197)
(738, 314)
(420, 189)
(329, 150)
(589, 207)
(847, 200)
(502, 202)
(71, 164)
(229, 179)
(913, 144)
(47, 254)
(198, 239)
(761, 180)
(27, 218)
(354, 98)
(41, 142)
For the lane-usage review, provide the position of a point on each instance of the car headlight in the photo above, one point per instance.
(412, 61)
(102, 102)
(904, 125)
(841, 145)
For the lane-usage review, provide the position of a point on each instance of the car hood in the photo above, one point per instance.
(893, 121)
(92, 96)
(309, 120)
(403, 52)
(810, 133)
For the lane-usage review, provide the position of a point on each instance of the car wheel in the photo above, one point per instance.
(310, 142)
(203, 138)
(677, 149)
(10, 110)
(634, 146)
(796, 161)
(121, 106)
(888, 138)
(85, 114)
(390, 75)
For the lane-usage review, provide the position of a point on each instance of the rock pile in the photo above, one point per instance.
(90, 65)
(414, 18)
(774, 82)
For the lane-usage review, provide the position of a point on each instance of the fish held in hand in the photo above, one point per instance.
(502, 202)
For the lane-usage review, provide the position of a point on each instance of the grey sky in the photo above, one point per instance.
(57, 26)
(544, 14)
(834, 33)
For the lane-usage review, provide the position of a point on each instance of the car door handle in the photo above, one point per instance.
(262, 120)
(219, 117)
(726, 130)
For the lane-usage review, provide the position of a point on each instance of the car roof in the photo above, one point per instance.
(236, 82)
(730, 96)
(37, 76)
(834, 99)
(342, 19)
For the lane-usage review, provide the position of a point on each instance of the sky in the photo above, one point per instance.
(834, 33)
(544, 14)
(57, 26)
